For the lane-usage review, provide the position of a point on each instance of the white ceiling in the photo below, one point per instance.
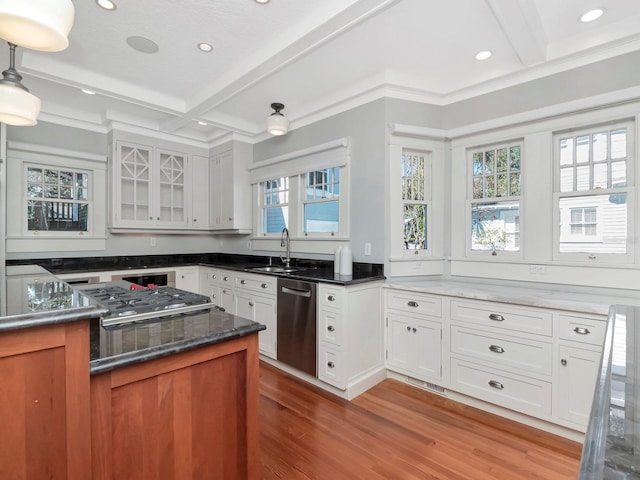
(318, 57)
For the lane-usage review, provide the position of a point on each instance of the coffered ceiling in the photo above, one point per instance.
(316, 57)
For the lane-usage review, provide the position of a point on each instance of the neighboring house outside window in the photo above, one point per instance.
(321, 202)
(495, 192)
(592, 187)
(57, 200)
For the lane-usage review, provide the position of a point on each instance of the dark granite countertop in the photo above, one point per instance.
(31, 297)
(314, 270)
(612, 445)
(127, 344)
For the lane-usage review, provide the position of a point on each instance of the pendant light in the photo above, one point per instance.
(17, 105)
(277, 124)
(37, 24)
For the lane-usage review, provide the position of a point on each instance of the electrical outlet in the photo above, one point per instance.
(153, 241)
(367, 248)
(537, 269)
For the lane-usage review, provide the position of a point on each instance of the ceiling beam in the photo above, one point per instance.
(339, 24)
(520, 22)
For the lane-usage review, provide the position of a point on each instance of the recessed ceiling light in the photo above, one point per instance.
(592, 15)
(106, 4)
(483, 55)
(205, 47)
(87, 91)
(262, 1)
(142, 44)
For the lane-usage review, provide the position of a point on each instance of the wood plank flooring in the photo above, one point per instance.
(395, 431)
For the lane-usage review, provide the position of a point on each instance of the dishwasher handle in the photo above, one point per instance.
(295, 291)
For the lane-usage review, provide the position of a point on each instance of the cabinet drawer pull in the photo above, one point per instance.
(413, 304)
(226, 279)
(496, 384)
(243, 282)
(331, 328)
(408, 328)
(264, 285)
(331, 298)
(582, 331)
(414, 330)
(496, 317)
(496, 348)
(331, 365)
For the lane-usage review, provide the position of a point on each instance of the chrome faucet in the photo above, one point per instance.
(284, 242)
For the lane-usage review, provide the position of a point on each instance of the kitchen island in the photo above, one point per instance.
(612, 445)
(176, 398)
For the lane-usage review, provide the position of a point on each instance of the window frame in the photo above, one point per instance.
(19, 237)
(495, 200)
(594, 257)
(304, 201)
(263, 207)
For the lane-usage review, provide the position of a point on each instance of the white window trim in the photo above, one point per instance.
(295, 165)
(598, 258)
(401, 262)
(19, 238)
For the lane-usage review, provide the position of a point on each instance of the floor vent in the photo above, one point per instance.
(427, 386)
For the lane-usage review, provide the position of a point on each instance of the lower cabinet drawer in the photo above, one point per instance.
(583, 329)
(503, 350)
(331, 367)
(509, 390)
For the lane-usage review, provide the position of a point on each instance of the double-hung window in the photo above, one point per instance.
(593, 185)
(495, 197)
(57, 199)
(321, 201)
(275, 205)
(415, 200)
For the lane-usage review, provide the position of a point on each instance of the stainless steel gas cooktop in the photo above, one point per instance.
(130, 303)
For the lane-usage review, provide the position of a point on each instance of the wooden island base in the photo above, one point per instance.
(192, 415)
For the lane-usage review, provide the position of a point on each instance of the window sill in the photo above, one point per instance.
(316, 245)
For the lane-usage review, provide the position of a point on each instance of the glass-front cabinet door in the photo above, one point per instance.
(150, 187)
(133, 185)
(171, 205)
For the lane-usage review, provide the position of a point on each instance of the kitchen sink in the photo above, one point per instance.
(276, 269)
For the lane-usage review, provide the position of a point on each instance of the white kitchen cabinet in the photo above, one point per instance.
(578, 364)
(255, 299)
(200, 193)
(414, 335)
(350, 333)
(187, 279)
(150, 187)
(230, 196)
(414, 346)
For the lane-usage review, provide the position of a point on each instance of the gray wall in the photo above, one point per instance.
(81, 140)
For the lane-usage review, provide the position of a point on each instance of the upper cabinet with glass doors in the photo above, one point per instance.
(150, 188)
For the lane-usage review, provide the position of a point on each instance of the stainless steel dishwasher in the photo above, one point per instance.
(297, 324)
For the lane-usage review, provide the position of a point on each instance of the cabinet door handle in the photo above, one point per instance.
(331, 298)
(414, 330)
(496, 317)
(563, 362)
(251, 304)
(496, 348)
(496, 384)
(413, 304)
(243, 282)
(331, 328)
(408, 328)
(582, 330)
(226, 279)
(264, 285)
(331, 364)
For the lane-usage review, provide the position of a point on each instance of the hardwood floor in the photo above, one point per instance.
(395, 431)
